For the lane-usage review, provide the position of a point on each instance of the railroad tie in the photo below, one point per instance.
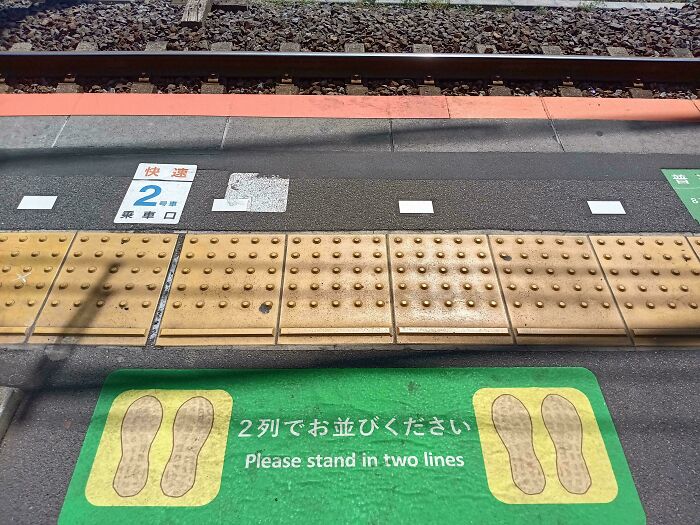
(286, 85)
(355, 87)
(427, 87)
(195, 12)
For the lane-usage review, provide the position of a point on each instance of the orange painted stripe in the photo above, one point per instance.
(33, 105)
(328, 106)
(332, 106)
(496, 107)
(561, 108)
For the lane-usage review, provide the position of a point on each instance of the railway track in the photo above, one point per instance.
(215, 67)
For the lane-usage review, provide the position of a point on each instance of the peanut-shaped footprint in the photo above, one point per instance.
(514, 426)
(193, 423)
(564, 426)
(139, 428)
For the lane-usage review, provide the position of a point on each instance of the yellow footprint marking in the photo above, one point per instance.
(514, 426)
(139, 428)
(191, 429)
(564, 426)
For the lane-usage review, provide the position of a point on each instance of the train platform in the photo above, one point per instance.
(503, 290)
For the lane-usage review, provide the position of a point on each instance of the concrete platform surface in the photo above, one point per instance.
(321, 134)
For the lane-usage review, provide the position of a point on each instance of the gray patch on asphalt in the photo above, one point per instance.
(267, 193)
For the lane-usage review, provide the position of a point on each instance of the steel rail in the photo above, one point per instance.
(244, 64)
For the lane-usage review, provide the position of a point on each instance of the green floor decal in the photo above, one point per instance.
(686, 184)
(479, 445)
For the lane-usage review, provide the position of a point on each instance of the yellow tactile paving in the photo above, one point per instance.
(555, 290)
(695, 243)
(226, 290)
(446, 290)
(336, 290)
(341, 288)
(107, 290)
(656, 281)
(29, 263)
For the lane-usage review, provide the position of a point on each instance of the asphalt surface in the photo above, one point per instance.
(360, 191)
(652, 394)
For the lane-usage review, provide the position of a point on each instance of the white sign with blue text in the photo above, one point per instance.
(157, 195)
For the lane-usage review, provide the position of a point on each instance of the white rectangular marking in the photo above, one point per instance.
(175, 172)
(606, 208)
(37, 202)
(153, 202)
(234, 205)
(415, 206)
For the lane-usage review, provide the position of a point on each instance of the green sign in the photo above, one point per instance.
(477, 445)
(686, 183)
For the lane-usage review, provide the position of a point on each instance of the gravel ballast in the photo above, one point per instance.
(327, 27)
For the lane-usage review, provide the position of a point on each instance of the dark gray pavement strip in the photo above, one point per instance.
(474, 135)
(143, 132)
(318, 134)
(522, 192)
(282, 135)
(652, 396)
(110, 162)
(29, 132)
(622, 136)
